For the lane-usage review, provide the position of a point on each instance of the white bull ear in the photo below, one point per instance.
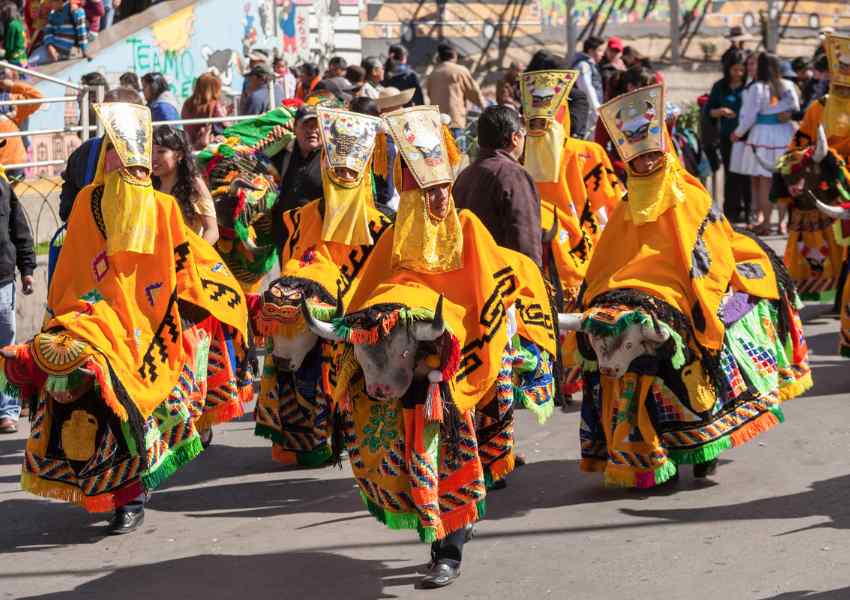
(659, 337)
(320, 328)
(428, 331)
(570, 321)
(836, 212)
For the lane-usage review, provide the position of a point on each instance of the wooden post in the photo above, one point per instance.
(770, 41)
(674, 31)
(571, 31)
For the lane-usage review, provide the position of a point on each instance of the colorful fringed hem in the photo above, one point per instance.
(101, 503)
(499, 469)
(541, 411)
(452, 521)
(712, 450)
(626, 476)
(822, 297)
(175, 459)
(228, 411)
(798, 388)
(310, 460)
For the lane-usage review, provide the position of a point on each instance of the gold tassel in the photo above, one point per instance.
(451, 147)
(379, 158)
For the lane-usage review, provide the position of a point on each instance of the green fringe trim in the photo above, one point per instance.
(7, 388)
(598, 329)
(317, 457)
(844, 351)
(168, 466)
(541, 411)
(828, 296)
(703, 454)
(399, 521)
(665, 472)
(777, 412)
(406, 316)
(56, 383)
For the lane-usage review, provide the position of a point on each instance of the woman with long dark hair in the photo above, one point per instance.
(159, 97)
(724, 105)
(765, 119)
(175, 172)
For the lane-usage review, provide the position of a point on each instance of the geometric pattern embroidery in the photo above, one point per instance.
(750, 270)
(100, 266)
(762, 358)
(152, 291)
(92, 297)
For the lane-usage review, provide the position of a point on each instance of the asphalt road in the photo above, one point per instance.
(232, 525)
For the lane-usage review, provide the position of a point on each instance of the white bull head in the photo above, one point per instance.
(616, 352)
(389, 365)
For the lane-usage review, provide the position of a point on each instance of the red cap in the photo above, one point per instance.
(615, 43)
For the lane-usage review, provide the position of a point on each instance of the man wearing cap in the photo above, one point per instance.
(255, 97)
(300, 168)
(336, 87)
(612, 62)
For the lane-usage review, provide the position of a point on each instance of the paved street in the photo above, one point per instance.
(771, 525)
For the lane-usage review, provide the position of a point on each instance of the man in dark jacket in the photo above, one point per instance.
(399, 75)
(300, 167)
(498, 189)
(16, 250)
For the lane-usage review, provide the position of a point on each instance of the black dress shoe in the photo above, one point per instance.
(126, 522)
(441, 573)
(206, 437)
(706, 469)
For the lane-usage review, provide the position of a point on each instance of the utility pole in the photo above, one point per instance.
(770, 41)
(571, 31)
(674, 31)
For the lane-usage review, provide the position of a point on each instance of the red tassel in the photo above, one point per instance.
(434, 404)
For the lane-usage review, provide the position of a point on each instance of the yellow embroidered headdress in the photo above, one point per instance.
(427, 235)
(836, 112)
(348, 140)
(128, 202)
(635, 122)
(544, 93)
(544, 96)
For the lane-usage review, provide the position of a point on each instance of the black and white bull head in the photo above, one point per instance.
(616, 352)
(390, 365)
(804, 173)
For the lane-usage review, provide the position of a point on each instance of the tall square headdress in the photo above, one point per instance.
(129, 128)
(838, 54)
(542, 93)
(635, 121)
(418, 135)
(348, 138)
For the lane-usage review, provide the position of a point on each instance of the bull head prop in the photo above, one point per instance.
(387, 354)
(618, 336)
(810, 175)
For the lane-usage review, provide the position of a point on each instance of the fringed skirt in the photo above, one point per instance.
(294, 412)
(812, 255)
(638, 428)
(413, 473)
(82, 452)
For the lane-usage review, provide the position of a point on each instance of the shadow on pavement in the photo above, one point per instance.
(826, 498)
(560, 483)
(36, 524)
(279, 576)
(261, 498)
(841, 594)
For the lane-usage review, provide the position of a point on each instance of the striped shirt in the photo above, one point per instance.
(65, 29)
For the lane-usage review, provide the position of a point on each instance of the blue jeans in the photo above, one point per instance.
(108, 15)
(9, 407)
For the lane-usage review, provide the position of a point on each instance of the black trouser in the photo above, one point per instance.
(137, 504)
(450, 547)
(736, 189)
(842, 281)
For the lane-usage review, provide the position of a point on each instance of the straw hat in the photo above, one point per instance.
(390, 97)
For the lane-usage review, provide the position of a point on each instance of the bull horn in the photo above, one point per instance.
(764, 164)
(549, 235)
(822, 147)
(660, 336)
(320, 328)
(835, 212)
(570, 321)
(428, 331)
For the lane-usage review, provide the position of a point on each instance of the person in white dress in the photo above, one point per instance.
(765, 115)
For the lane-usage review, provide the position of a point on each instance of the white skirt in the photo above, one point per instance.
(770, 141)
